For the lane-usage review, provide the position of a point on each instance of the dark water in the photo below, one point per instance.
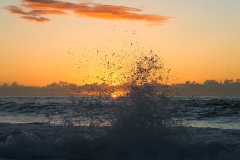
(47, 128)
(144, 125)
(213, 112)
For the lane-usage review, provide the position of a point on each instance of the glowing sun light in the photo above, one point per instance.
(114, 84)
(114, 96)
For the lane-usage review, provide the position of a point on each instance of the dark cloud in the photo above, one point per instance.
(33, 15)
(36, 19)
(227, 81)
(65, 89)
(40, 12)
(92, 10)
(211, 82)
(16, 10)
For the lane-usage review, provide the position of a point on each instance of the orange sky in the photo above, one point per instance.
(43, 41)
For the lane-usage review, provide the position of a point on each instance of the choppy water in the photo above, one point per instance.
(144, 125)
(30, 109)
(33, 127)
(213, 112)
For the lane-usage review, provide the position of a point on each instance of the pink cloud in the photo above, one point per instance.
(35, 19)
(91, 10)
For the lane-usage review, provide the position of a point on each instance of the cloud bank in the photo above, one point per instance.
(38, 8)
(208, 88)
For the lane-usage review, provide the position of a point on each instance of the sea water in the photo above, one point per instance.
(145, 124)
(203, 112)
(34, 127)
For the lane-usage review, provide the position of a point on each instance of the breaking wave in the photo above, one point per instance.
(139, 125)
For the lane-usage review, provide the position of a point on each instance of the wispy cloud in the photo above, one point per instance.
(36, 19)
(45, 7)
(33, 15)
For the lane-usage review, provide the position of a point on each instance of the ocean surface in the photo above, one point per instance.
(95, 128)
(212, 112)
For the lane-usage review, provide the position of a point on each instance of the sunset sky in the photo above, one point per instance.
(45, 41)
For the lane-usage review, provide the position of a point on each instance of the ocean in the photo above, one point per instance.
(203, 112)
(81, 127)
(147, 123)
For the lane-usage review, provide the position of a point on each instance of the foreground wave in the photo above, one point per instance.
(41, 141)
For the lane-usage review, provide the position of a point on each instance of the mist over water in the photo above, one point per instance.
(143, 124)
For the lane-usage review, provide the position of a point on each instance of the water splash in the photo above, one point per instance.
(142, 120)
(139, 125)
